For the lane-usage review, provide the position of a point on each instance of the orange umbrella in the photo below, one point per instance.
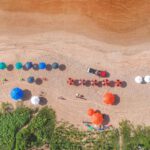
(109, 98)
(97, 118)
(90, 111)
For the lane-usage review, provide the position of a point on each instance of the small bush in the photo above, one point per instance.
(39, 130)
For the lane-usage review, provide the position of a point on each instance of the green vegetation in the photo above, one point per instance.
(10, 124)
(67, 137)
(135, 137)
(23, 128)
(39, 130)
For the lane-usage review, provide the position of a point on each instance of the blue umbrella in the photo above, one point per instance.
(17, 94)
(30, 79)
(28, 65)
(42, 65)
(55, 65)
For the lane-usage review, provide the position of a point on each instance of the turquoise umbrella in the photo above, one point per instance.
(18, 65)
(3, 66)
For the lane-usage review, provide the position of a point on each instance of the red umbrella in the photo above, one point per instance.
(109, 98)
(83, 82)
(90, 111)
(70, 81)
(103, 73)
(118, 83)
(105, 82)
(97, 118)
(93, 82)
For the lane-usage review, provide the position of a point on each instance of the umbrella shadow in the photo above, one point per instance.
(112, 84)
(107, 74)
(48, 67)
(24, 68)
(62, 67)
(99, 84)
(124, 84)
(106, 119)
(35, 67)
(88, 83)
(38, 81)
(98, 111)
(117, 99)
(76, 82)
(43, 100)
(10, 67)
(27, 95)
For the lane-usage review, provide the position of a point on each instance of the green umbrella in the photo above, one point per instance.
(2, 66)
(18, 65)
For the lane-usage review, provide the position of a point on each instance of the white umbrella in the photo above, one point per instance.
(147, 79)
(35, 100)
(138, 79)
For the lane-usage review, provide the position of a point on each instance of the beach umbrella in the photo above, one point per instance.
(18, 65)
(17, 94)
(35, 100)
(118, 83)
(93, 82)
(109, 98)
(90, 111)
(30, 79)
(28, 65)
(147, 79)
(55, 65)
(103, 73)
(138, 79)
(105, 82)
(97, 118)
(70, 81)
(42, 65)
(3, 66)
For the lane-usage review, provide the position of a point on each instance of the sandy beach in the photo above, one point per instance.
(117, 43)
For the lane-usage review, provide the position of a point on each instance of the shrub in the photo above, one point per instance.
(39, 130)
(10, 123)
(135, 137)
(66, 137)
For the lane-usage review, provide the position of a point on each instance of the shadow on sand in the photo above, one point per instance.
(38, 81)
(43, 100)
(62, 67)
(117, 99)
(106, 119)
(27, 95)
(10, 67)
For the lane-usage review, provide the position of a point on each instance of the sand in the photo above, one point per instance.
(68, 36)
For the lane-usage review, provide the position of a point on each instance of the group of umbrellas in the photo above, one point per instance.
(29, 65)
(104, 82)
(17, 94)
(96, 116)
(140, 79)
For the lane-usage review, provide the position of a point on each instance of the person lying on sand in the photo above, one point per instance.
(80, 96)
